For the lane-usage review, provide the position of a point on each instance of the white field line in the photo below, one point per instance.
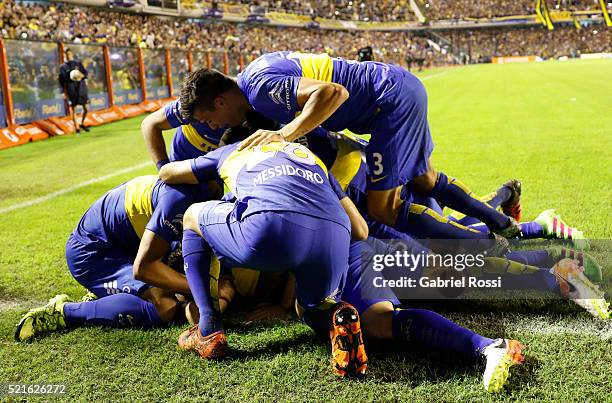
(72, 188)
(434, 75)
(568, 325)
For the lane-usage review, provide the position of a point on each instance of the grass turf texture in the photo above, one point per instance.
(547, 124)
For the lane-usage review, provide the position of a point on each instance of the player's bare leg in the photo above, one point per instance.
(166, 304)
(85, 110)
(74, 120)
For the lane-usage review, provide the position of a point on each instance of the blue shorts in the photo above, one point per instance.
(314, 249)
(358, 289)
(401, 142)
(102, 269)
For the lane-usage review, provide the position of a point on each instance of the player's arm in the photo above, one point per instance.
(178, 172)
(359, 226)
(152, 127)
(318, 100)
(148, 265)
(197, 170)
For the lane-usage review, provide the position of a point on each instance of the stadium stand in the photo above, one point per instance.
(137, 58)
(460, 9)
(490, 42)
(370, 10)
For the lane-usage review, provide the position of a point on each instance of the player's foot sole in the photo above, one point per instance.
(512, 207)
(501, 356)
(511, 231)
(348, 351)
(574, 285)
(192, 313)
(591, 268)
(211, 347)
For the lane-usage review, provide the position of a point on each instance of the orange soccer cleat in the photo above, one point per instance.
(214, 346)
(348, 351)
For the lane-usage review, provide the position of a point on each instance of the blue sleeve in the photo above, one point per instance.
(336, 187)
(167, 218)
(206, 167)
(275, 96)
(173, 114)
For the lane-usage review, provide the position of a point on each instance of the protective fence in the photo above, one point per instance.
(179, 67)
(92, 58)
(125, 70)
(156, 73)
(117, 77)
(33, 76)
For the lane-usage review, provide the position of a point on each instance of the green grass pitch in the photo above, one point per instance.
(548, 124)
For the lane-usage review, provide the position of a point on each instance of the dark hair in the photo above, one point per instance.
(200, 88)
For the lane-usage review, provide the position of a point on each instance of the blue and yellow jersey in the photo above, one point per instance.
(275, 177)
(270, 84)
(121, 216)
(191, 139)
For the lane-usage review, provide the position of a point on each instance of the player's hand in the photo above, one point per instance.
(260, 138)
(266, 312)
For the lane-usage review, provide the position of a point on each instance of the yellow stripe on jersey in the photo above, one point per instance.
(347, 163)
(234, 162)
(138, 205)
(319, 67)
(194, 138)
(214, 272)
(245, 281)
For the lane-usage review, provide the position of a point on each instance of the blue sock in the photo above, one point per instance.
(118, 310)
(541, 280)
(433, 330)
(531, 230)
(422, 222)
(538, 258)
(197, 256)
(454, 194)
(494, 200)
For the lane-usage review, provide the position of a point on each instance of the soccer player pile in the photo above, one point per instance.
(306, 203)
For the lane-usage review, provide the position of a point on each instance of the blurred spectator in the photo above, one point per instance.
(460, 9)
(72, 78)
(568, 41)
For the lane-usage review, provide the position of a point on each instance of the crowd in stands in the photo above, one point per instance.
(575, 5)
(562, 41)
(459, 9)
(351, 10)
(74, 24)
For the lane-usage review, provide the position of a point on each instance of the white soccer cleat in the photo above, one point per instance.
(576, 286)
(500, 355)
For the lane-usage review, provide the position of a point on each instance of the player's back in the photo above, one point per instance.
(270, 83)
(120, 217)
(278, 176)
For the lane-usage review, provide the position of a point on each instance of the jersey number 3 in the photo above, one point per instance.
(378, 166)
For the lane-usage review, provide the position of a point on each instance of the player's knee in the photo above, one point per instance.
(385, 213)
(424, 184)
(168, 308)
(190, 218)
(377, 321)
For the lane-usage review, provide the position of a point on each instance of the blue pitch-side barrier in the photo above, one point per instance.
(124, 97)
(116, 76)
(36, 110)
